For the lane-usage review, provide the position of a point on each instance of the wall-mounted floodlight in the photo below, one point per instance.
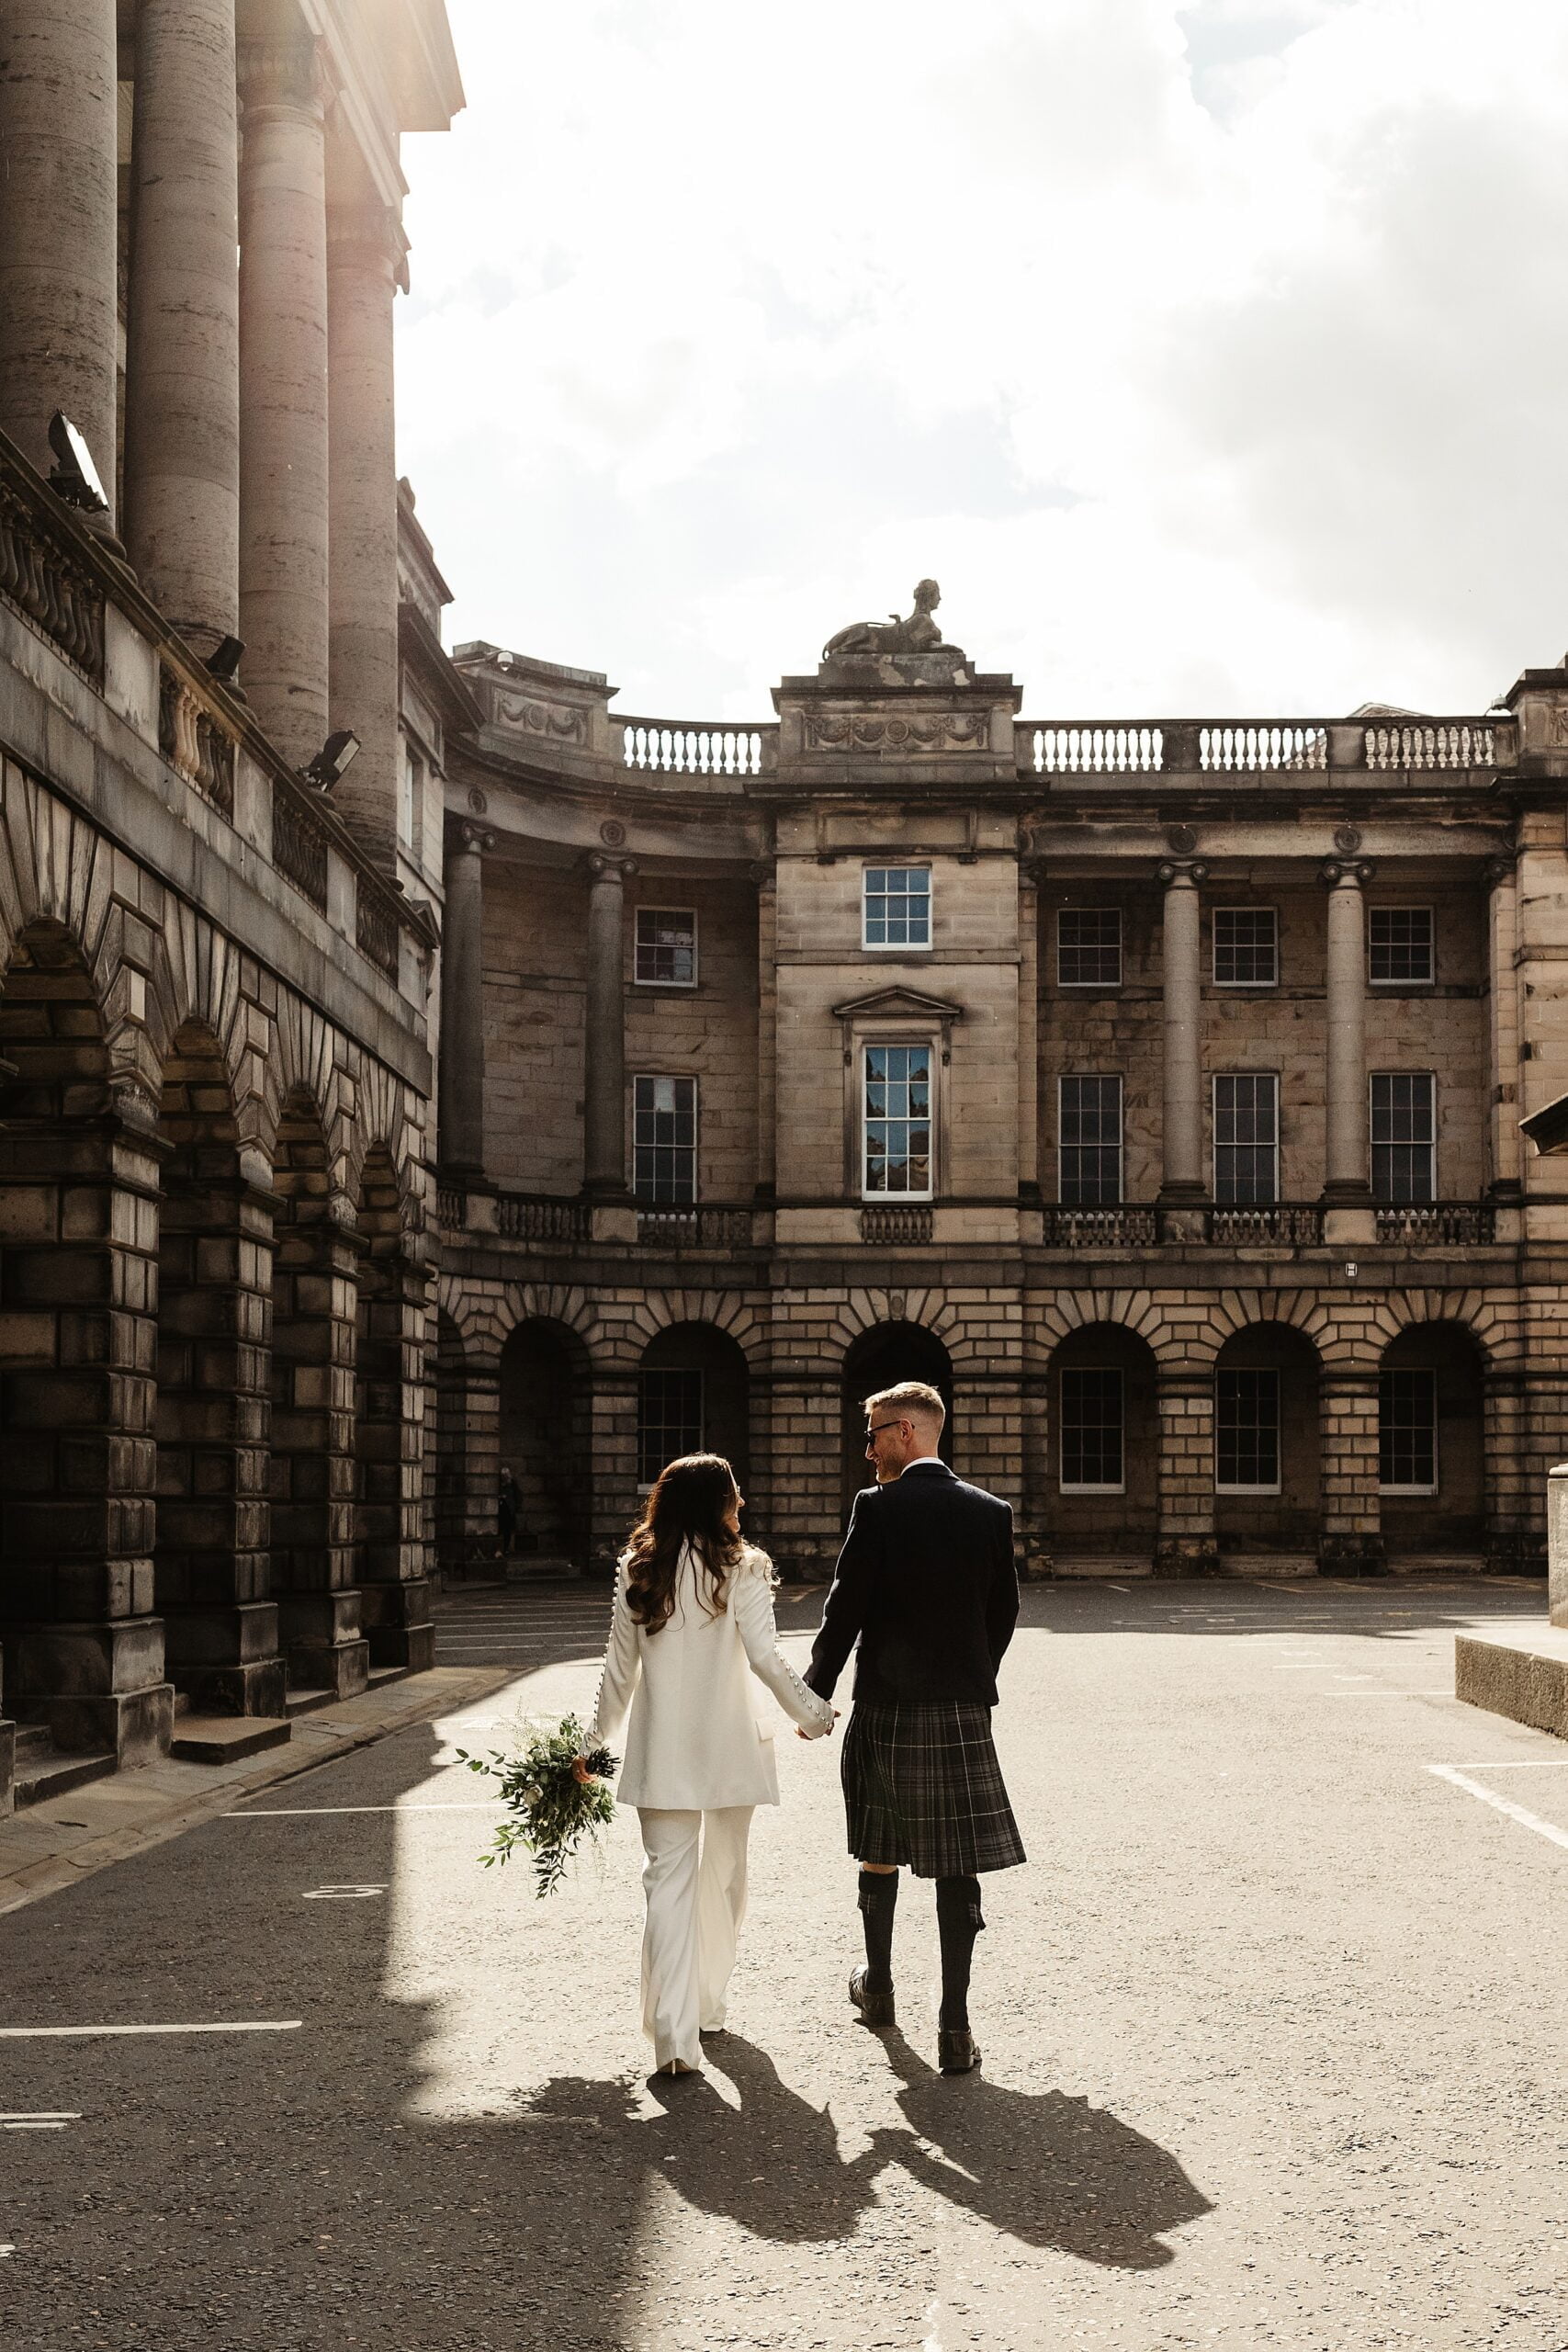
(1548, 1128)
(223, 661)
(337, 753)
(74, 478)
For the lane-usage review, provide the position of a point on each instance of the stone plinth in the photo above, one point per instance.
(869, 724)
(1523, 1675)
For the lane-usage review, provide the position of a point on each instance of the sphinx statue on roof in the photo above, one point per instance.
(909, 652)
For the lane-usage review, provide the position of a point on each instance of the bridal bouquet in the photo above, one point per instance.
(550, 1811)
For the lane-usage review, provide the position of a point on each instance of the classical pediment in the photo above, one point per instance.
(898, 1004)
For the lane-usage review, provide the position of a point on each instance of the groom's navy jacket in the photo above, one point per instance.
(926, 1582)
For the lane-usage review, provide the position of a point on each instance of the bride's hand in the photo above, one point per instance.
(801, 1734)
(580, 1771)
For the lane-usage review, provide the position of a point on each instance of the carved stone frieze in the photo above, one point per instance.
(555, 722)
(944, 731)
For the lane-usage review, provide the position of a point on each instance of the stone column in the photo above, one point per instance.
(604, 1141)
(1350, 1534)
(283, 383)
(1183, 1127)
(1346, 1182)
(181, 414)
(1503, 942)
(461, 1146)
(615, 1501)
(765, 876)
(59, 226)
(365, 258)
(1029, 1033)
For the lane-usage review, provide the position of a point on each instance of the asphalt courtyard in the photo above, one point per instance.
(1273, 2031)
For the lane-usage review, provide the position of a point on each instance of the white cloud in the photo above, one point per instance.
(1209, 355)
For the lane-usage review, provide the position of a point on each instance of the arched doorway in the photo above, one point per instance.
(210, 1561)
(1268, 1458)
(693, 1396)
(880, 1358)
(546, 1440)
(79, 1183)
(1103, 1477)
(1431, 1450)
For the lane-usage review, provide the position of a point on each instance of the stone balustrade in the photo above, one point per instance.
(1265, 746)
(696, 746)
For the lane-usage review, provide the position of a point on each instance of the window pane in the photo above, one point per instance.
(897, 906)
(1089, 1142)
(1399, 943)
(1403, 1134)
(896, 1119)
(664, 1140)
(669, 1419)
(1407, 1430)
(1247, 1429)
(1246, 1138)
(1089, 947)
(667, 946)
(1092, 1428)
(1247, 946)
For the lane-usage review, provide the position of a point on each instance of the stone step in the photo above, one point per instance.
(224, 1739)
(306, 1702)
(48, 1772)
(523, 1571)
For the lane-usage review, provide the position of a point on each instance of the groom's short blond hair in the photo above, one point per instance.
(913, 1400)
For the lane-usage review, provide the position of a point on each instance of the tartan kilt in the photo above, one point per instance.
(922, 1786)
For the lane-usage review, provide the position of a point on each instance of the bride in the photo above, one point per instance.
(694, 1609)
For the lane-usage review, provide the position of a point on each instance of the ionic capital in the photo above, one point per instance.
(1500, 867)
(476, 839)
(609, 869)
(1356, 870)
(1186, 872)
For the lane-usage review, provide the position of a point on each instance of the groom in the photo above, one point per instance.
(926, 1585)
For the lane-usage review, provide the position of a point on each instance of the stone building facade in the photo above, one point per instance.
(217, 978)
(1153, 1088)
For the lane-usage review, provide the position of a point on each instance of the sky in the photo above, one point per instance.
(1213, 357)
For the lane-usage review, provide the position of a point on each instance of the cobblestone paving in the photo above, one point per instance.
(1271, 2022)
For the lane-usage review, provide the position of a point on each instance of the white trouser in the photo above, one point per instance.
(694, 1910)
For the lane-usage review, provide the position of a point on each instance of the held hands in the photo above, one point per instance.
(801, 1733)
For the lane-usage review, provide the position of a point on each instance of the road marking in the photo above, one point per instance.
(47, 2120)
(342, 1894)
(1502, 1804)
(310, 1812)
(80, 2032)
(1520, 1764)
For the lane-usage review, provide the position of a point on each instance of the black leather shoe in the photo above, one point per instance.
(876, 2008)
(956, 2051)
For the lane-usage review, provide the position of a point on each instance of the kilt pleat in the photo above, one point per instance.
(922, 1787)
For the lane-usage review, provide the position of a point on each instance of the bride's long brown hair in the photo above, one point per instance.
(687, 1505)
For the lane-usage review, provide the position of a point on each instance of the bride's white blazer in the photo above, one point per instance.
(695, 1743)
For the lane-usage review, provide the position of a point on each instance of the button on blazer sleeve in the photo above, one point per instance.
(843, 1613)
(1002, 1600)
(750, 1598)
(621, 1671)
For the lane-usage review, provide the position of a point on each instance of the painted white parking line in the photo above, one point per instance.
(83, 2032)
(1521, 1764)
(46, 2120)
(311, 1812)
(342, 1894)
(1502, 1804)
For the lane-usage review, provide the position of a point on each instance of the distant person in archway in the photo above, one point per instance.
(927, 1587)
(508, 1514)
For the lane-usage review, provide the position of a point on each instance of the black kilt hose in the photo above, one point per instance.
(922, 1787)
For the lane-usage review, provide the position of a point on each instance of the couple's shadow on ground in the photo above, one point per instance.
(1042, 2167)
